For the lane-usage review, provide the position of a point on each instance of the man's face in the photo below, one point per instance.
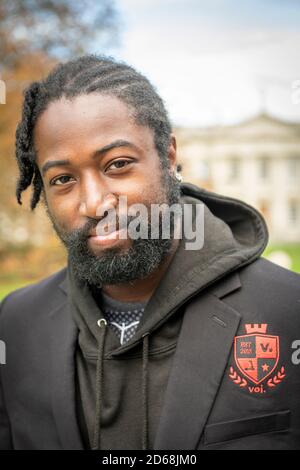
(90, 152)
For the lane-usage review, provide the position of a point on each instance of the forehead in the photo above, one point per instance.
(85, 121)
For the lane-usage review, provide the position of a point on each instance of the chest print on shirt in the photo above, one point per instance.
(256, 356)
(124, 323)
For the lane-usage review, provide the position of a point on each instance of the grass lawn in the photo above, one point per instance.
(292, 250)
(8, 286)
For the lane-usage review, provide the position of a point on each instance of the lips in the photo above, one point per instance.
(107, 240)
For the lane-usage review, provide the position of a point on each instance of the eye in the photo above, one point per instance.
(63, 180)
(118, 164)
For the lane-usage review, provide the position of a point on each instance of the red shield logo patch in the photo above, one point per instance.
(257, 354)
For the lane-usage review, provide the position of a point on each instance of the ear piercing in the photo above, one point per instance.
(178, 176)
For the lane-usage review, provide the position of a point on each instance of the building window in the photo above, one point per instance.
(234, 169)
(294, 215)
(264, 167)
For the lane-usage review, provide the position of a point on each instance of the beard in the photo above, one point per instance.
(116, 265)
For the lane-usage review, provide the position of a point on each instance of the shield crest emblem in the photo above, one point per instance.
(256, 355)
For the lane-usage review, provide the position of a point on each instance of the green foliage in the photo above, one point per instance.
(291, 249)
(10, 286)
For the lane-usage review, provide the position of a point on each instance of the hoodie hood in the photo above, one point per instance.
(235, 234)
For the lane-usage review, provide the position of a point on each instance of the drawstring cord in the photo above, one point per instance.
(102, 323)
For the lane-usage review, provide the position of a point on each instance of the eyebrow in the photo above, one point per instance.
(99, 152)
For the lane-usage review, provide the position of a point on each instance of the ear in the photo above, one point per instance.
(172, 154)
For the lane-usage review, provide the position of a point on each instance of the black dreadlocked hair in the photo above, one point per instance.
(87, 74)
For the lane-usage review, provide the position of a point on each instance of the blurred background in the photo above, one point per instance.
(229, 73)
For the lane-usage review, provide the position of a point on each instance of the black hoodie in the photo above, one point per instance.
(120, 389)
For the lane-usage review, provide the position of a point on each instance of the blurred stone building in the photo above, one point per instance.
(257, 161)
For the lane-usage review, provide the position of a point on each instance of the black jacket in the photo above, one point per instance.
(231, 381)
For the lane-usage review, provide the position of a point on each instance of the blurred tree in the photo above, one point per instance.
(32, 66)
(34, 34)
(58, 28)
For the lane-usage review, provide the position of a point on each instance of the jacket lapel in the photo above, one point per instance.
(201, 356)
(63, 342)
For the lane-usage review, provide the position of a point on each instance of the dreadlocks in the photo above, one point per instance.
(87, 74)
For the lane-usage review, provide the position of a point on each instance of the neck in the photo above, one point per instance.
(140, 290)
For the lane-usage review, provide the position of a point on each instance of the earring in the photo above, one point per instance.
(178, 176)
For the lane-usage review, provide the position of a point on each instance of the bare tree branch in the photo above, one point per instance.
(61, 28)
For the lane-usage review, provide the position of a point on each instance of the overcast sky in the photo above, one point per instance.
(215, 61)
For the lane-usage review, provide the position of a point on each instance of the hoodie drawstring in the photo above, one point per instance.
(102, 323)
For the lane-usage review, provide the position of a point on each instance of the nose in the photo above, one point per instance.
(96, 199)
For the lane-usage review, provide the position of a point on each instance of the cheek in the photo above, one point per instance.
(62, 214)
(146, 187)
(141, 191)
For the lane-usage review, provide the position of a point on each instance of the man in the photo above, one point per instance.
(140, 343)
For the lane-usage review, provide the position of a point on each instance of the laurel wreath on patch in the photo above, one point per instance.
(236, 378)
(277, 378)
